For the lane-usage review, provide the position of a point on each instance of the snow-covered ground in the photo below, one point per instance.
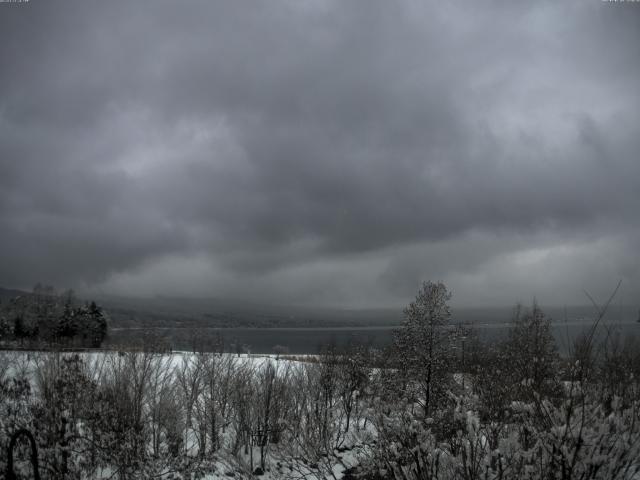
(279, 464)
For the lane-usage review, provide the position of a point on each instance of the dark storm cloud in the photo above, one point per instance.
(318, 151)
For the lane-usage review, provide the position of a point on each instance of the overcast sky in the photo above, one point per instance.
(315, 152)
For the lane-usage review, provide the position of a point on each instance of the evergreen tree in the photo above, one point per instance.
(5, 328)
(20, 330)
(98, 325)
(530, 355)
(423, 344)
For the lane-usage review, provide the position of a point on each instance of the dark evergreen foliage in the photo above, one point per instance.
(45, 318)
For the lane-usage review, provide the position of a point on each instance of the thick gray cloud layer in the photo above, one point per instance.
(321, 152)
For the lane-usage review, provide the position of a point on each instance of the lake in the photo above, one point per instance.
(309, 340)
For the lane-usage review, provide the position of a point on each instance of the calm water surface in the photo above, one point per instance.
(309, 340)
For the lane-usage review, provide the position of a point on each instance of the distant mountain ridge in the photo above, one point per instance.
(182, 312)
(9, 293)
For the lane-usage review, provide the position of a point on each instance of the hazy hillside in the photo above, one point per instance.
(196, 312)
(180, 312)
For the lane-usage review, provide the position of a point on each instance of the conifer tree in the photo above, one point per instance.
(423, 343)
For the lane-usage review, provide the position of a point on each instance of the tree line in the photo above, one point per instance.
(437, 404)
(46, 317)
